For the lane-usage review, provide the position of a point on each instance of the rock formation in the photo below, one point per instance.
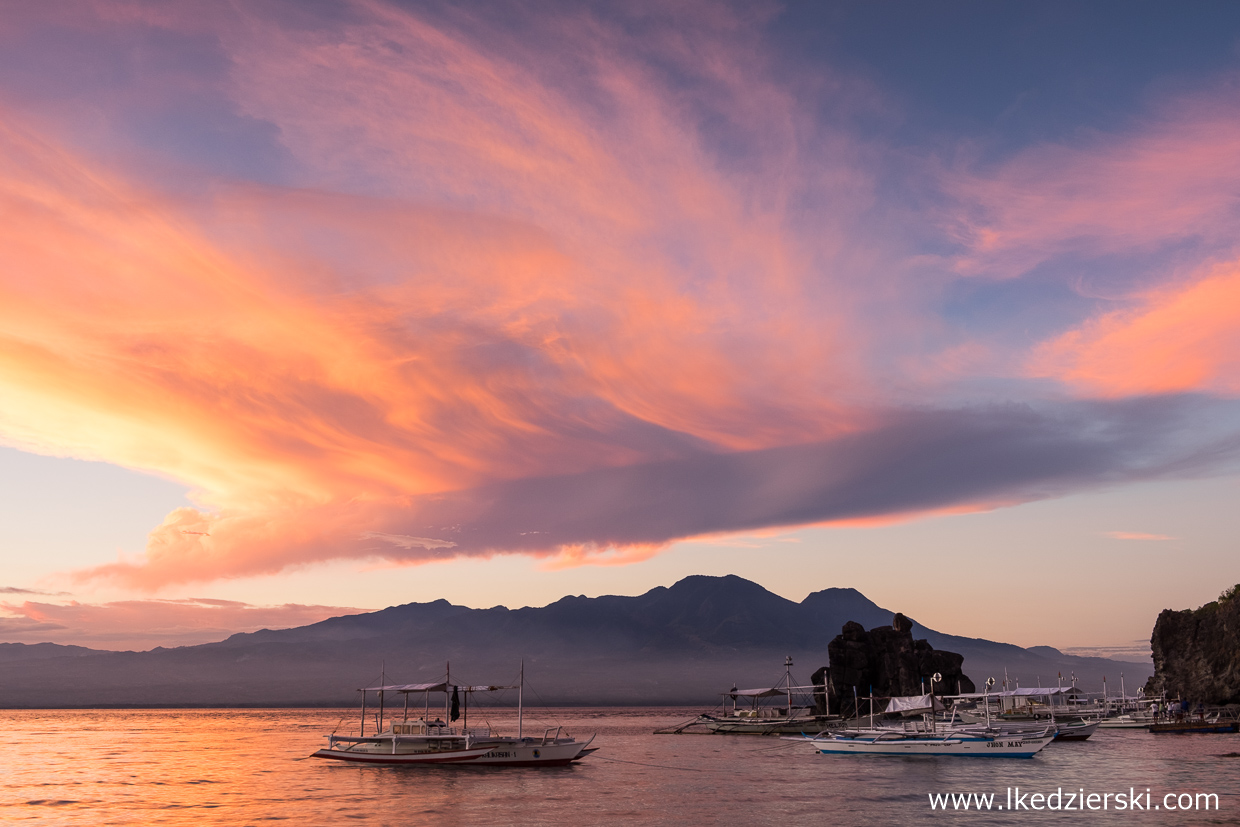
(887, 661)
(1197, 652)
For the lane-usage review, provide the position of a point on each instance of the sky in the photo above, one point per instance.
(310, 308)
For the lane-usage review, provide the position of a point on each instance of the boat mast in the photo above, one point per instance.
(788, 681)
(362, 732)
(986, 695)
(382, 683)
(447, 686)
(521, 701)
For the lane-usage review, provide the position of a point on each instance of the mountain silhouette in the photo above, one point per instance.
(682, 644)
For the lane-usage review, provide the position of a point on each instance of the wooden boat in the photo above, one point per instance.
(748, 715)
(422, 741)
(1038, 709)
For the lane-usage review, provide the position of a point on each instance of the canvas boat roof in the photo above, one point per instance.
(432, 687)
(774, 691)
(914, 704)
(1023, 692)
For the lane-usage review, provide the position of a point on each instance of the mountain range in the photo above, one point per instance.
(683, 644)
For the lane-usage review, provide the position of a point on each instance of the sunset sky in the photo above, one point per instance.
(318, 307)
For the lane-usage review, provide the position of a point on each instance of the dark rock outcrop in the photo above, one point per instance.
(887, 662)
(1197, 652)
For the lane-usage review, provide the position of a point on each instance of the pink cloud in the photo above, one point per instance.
(145, 624)
(490, 273)
(570, 289)
(1171, 178)
(1157, 201)
(1135, 535)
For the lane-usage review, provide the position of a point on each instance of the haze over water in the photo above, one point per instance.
(241, 767)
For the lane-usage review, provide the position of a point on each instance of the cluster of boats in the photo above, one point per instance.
(1015, 722)
(1008, 723)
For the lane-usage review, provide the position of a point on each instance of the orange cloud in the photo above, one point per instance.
(1177, 339)
(572, 287)
(1135, 535)
(486, 273)
(144, 624)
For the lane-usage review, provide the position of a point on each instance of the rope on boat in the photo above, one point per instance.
(677, 730)
(783, 745)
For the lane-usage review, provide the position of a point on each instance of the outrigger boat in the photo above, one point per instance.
(894, 742)
(925, 738)
(1023, 711)
(749, 717)
(423, 741)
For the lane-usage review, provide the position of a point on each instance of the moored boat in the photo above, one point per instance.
(422, 741)
(894, 742)
(1127, 722)
(927, 737)
(748, 715)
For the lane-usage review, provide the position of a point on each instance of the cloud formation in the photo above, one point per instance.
(144, 624)
(414, 282)
(1136, 535)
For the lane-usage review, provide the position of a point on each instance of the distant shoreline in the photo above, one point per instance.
(353, 709)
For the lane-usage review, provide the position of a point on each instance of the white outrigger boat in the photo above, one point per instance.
(423, 741)
(894, 742)
(926, 739)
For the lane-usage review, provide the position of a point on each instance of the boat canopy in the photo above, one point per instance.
(914, 704)
(1023, 692)
(432, 687)
(775, 691)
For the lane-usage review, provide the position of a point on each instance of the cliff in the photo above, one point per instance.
(1197, 652)
(886, 661)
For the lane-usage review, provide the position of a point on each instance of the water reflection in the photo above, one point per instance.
(203, 767)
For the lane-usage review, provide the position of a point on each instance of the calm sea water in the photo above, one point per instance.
(243, 767)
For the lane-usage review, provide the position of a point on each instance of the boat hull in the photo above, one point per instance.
(461, 756)
(533, 754)
(1196, 727)
(998, 747)
(1125, 722)
(765, 726)
(1076, 732)
(502, 752)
